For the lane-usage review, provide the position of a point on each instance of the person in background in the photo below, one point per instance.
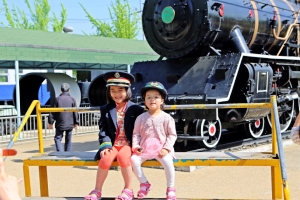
(64, 121)
(154, 136)
(115, 136)
(8, 184)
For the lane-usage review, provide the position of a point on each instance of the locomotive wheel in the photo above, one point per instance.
(210, 129)
(286, 116)
(255, 128)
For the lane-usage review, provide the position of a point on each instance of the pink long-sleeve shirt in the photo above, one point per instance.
(161, 126)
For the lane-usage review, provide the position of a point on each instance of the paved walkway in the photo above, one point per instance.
(203, 183)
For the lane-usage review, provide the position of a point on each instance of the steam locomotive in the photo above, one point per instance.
(219, 52)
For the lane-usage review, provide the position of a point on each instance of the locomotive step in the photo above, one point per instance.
(188, 137)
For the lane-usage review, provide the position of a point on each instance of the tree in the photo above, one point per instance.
(40, 17)
(124, 21)
(59, 25)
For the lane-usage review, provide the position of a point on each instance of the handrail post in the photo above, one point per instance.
(273, 128)
(275, 170)
(275, 118)
(42, 169)
(25, 119)
(39, 126)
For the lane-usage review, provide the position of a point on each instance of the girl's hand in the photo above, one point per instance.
(163, 152)
(104, 152)
(138, 150)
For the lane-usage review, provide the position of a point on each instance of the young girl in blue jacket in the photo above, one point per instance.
(115, 136)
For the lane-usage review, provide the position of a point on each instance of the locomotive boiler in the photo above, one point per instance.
(223, 51)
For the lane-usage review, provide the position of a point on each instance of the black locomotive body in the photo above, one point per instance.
(227, 51)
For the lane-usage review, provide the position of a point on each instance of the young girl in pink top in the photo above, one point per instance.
(153, 137)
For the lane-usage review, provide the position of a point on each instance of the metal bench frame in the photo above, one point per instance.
(274, 159)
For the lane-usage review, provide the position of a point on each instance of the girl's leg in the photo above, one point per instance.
(127, 176)
(101, 176)
(145, 186)
(167, 163)
(136, 162)
(104, 165)
(102, 172)
(123, 158)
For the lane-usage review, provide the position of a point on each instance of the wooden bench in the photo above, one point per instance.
(43, 160)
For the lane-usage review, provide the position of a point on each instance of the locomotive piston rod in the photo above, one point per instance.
(288, 97)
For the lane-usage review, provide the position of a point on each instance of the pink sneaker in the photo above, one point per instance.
(92, 197)
(171, 196)
(128, 195)
(142, 193)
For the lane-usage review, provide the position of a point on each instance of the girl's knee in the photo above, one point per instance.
(124, 162)
(167, 161)
(106, 162)
(134, 158)
(104, 165)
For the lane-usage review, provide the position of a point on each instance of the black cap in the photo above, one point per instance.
(156, 86)
(117, 78)
(65, 87)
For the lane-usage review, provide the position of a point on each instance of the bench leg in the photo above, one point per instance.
(27, 180)
(277, 188)
(43, 181)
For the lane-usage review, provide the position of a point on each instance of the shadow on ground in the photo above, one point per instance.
(76, 146)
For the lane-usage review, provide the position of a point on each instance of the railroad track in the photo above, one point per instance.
(243, 144)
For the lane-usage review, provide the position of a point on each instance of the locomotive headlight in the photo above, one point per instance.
(168, 15)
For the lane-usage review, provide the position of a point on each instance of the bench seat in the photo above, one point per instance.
(183, 159)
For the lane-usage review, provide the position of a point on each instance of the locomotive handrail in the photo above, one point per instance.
(288, 33)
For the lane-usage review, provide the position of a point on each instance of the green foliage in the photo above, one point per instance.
(59, 25)
(124, 21)
(40, 16)
(3, 79)
(74, 74)
(8, 15)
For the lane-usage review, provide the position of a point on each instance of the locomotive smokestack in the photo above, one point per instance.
(238, 41)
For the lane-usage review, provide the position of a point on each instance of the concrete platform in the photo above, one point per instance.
(204, 183)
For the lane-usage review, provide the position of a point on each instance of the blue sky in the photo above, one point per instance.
(76, 16)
